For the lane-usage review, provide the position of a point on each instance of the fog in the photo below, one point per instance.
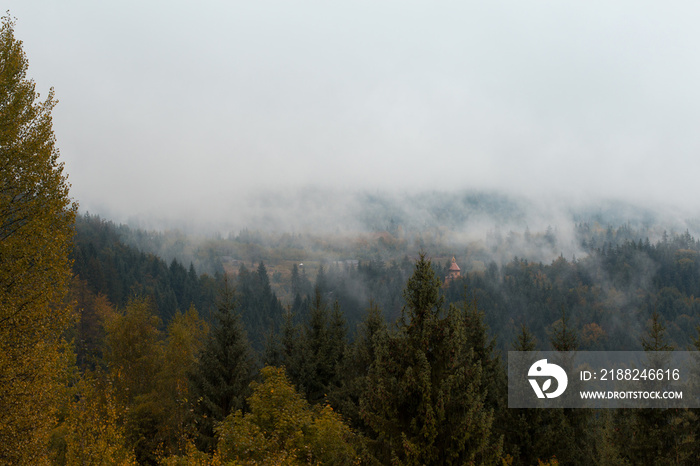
(290, 115)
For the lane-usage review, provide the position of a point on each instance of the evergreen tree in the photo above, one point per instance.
(321, 281)
(89, 333)
(568, 432)
(563, 337)
(313, 353)
(261, 311)
(36, 219)
(318, 340)
(525, 341)
(296, 281)
(425, 398)
(274, 348)
(354, 368)
(652, 435)
(301, 286)
(224, 371)
(293, 351)
(524, 427)
(484, 347)
(655, 339)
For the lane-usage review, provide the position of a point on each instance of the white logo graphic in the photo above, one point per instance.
(542, 369)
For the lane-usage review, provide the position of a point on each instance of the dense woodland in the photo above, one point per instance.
(125, 346)
(342, 347)
(608, 293)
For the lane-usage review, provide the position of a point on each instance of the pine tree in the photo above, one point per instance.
(524, 428)
(89, 333)
(312, 354)
(425, 398)
(301, 286)
(292, 352)
(321, 284)
(563, 337)
(568, 432)
(260, 310)
(654, 436)
(225, 369)
(36, 219)
(525, 341)
(655, 339)
(484, 347)
(354, 368)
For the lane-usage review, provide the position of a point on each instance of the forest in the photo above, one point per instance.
(121, 345)
(189, 354)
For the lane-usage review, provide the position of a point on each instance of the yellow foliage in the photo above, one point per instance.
(36, 218)
(94, 435)
(281, 428)
(133, 350)
(192, 457)
(186, 334)
(593, 333)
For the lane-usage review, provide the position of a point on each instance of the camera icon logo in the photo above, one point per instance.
(544, 369)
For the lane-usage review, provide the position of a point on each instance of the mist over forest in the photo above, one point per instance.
(318, 303)
(491, 235)
(493, 225)
(311, 232)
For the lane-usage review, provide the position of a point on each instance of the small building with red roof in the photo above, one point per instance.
(453, 272)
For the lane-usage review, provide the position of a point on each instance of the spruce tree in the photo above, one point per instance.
(312, 354)
(220, 382)
(354, 368)
(525, 340)
(524, 427)
(652, 435)
(260, 309)
(320, 367)
(655, 338)
(568, 432)
(425, 398)
(484, 347)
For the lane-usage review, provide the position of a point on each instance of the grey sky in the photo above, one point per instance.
(170, 106)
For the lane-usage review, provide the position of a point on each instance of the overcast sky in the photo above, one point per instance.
(169, 106)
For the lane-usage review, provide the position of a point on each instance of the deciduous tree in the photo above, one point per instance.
(281, 428)
(185, 338)
(36, 218)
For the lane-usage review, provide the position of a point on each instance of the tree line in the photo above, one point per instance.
(428, 388)
(327, 363)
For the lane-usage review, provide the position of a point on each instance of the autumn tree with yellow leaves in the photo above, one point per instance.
(282, 428)
(36, 218)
